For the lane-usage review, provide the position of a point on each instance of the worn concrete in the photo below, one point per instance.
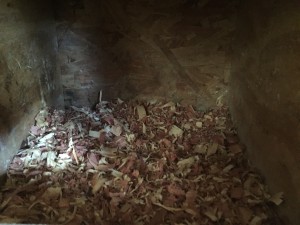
(264, 94)
(28, 78)
(145, 49)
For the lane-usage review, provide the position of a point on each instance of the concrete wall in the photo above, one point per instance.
(265, 93)
(28, 78)
(172, 49)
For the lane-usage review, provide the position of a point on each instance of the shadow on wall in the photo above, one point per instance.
(28, 78)
(6, 98)
(43, 48)
(86, 36)
(143, 49)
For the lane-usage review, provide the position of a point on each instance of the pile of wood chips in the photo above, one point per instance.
(134, 163)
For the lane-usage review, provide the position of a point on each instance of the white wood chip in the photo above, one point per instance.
(51, 157)
(94, 134)
(211, 215)
(228, 168)
(175, 131)
(212, 149)
(169, 104)
(52, 193)
(256, 221)
(186, 163)
(99, 183)
(277, 198)
(201, 149)
(141, 111)
(47, 138)
(108, 152)
(187, 126)
(116, 130)
(199, 124)
(116, 173)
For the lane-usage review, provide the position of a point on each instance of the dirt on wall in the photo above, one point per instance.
(264, 93)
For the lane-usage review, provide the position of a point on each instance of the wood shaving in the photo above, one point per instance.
(132, 162)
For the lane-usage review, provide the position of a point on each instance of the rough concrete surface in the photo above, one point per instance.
(264, 94)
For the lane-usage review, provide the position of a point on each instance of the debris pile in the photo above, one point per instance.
(134, 163)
